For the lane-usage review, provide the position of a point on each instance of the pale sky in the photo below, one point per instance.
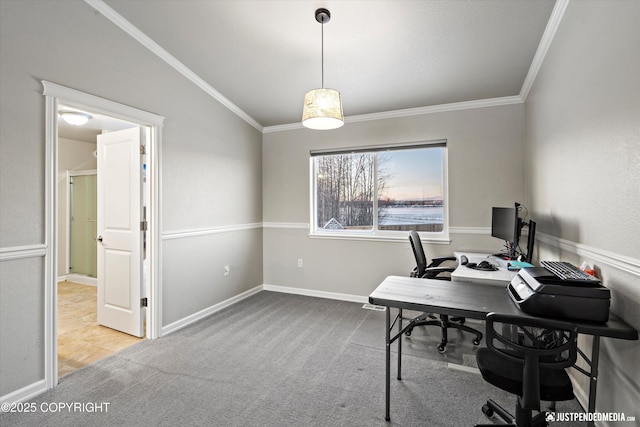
(415, 174)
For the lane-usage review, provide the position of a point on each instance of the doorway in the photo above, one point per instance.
(110, 117)
(82, 337)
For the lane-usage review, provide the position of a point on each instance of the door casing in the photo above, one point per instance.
(55, 94)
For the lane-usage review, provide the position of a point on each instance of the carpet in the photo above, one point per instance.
(270, 360)
(423, 341)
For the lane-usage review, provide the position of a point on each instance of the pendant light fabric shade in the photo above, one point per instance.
(322, 109)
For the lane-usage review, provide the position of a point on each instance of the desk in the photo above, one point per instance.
(500, 277)
(475, 301)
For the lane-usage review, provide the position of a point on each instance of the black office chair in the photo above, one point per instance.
(435, 270)
(526, 356)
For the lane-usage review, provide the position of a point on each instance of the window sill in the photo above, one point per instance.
(441, 239)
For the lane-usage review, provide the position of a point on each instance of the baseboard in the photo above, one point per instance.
(79, 278)
(186, 321)
(581, 394)
(314, 293)
(25, 393)
(582, 397)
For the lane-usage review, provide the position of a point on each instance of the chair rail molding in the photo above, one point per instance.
(22, 252)
(611, 259)
(181, 234)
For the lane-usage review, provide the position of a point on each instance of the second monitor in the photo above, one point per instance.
(507, 225)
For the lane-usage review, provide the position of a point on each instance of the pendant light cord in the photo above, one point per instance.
(322, 51)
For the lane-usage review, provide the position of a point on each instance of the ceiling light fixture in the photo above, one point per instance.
(322, 107)
(75, 118)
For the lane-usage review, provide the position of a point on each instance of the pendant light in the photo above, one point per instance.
(322, 107)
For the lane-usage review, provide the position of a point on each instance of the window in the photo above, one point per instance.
(381, 190)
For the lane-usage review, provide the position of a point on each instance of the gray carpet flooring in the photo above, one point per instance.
(423, 341)
(272, 360)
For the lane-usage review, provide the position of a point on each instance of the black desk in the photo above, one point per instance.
(475, 301)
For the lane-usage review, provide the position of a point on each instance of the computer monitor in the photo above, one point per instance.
(506, 225)
(531, 240)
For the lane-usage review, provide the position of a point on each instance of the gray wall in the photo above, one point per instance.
(217, 181)
(485, 150)
(583, 168)
(211, 169)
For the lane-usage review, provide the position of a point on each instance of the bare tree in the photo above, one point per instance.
(346, 188)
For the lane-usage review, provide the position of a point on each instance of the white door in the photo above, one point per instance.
(119, 231)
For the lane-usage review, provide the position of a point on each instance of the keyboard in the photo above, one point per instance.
(568, 272)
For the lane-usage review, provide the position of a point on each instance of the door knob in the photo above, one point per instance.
(99, 239)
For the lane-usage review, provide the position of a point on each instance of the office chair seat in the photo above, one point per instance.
(555, 384)
(527, 356)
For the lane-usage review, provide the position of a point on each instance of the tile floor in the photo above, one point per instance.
(81, 341)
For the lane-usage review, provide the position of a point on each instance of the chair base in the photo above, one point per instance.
(523, 417)
(443, 323)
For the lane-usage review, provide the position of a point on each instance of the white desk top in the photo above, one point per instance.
(500, 277)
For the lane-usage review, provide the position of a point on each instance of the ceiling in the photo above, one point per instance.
(97, 124)
(263, 56)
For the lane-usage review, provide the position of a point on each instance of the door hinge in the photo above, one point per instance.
(143, 302)
(143, 149)
(143, 225)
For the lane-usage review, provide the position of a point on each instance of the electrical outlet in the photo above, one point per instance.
(227, 270)
(300, 263)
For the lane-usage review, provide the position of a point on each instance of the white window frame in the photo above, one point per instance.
(441, 237)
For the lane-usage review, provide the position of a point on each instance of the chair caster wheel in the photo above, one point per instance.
(442, 348)
(487, 410)
(476, 342)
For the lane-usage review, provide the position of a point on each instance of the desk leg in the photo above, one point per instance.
(593, 377)
(400, 344)
(388, 364)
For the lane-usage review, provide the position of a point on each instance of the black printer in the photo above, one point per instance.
(539, 293)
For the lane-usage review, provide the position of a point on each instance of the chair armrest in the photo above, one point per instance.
(435, 262)
(433, 272)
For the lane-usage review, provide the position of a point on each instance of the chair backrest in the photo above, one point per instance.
(418, 253)
(535, 343)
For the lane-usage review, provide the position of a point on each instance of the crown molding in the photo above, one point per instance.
(543, 47)
(154, 47)
(455, 106)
